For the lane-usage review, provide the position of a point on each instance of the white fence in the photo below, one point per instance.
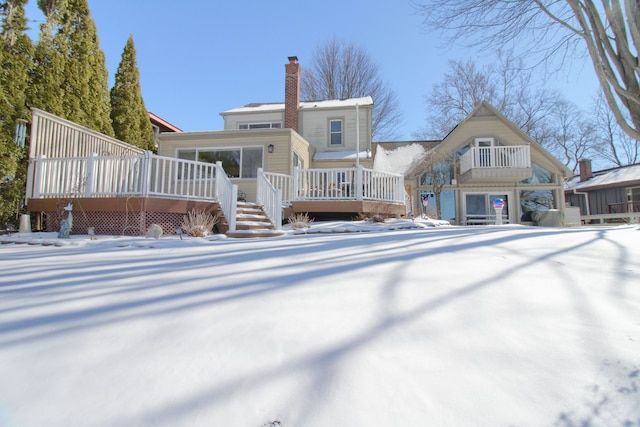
(514, 156)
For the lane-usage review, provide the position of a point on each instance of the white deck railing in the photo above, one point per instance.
(117, 176)
(340, 184)
(270, 198)
(382, 186)
(55, 137)
(514, 156)
(282, 182)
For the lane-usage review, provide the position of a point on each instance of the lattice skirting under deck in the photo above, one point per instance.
(115, 223)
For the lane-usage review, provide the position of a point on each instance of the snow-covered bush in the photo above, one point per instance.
(198, 223)
(300, 221)
(154, 231)
(377, 218)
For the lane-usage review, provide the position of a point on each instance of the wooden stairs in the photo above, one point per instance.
(251, 221)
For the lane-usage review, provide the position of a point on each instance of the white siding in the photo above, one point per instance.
(314, 127)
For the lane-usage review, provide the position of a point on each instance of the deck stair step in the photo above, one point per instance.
(252, 221)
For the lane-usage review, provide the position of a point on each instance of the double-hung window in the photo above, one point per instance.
(335, 132)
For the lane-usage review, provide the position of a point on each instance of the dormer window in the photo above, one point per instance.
(335, 132)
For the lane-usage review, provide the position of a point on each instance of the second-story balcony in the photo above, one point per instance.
(500, 164)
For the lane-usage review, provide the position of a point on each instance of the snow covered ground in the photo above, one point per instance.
(398, 325)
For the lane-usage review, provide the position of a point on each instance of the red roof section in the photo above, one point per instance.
(164, 125)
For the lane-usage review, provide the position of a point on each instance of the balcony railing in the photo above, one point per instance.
(498, 157)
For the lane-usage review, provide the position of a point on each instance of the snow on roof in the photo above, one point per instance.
(399, 160)
(331, 103)
(340, 155)
(606, 178)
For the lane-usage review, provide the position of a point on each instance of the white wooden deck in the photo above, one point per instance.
(70, 161)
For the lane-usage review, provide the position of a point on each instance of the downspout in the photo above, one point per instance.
(357, 135)
(586, 199)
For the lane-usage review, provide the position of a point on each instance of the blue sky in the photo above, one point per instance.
(198, 58)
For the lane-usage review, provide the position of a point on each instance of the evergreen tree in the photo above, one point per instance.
(70, 76)
(128, 113)
(15, 60)
(47, 76)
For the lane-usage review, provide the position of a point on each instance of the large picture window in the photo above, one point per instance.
(238, 162)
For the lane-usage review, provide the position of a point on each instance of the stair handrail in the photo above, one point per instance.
(227, 194)
(270, 199)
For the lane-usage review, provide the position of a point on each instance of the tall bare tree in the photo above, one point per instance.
(340, 70)
(573, 137)
(614, 146)
(608, 31)
(506, 85)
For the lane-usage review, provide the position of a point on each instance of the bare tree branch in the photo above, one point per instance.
(342, 70)
(609, 30)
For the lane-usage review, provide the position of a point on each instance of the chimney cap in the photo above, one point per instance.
(293, 59)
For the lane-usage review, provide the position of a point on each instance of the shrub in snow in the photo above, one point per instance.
(154, 231)
(198, 223)
(300, 221)
(377, 218)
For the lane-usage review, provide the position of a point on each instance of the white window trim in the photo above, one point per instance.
(491, 141)
(341, 120)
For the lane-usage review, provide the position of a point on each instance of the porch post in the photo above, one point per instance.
(34, 138)
(231, 218)
(278, 211)
(359, 181)
(259, 191)
(296, 183)
(218, 181)
(37, 185)
(88, 185)
(146, 173)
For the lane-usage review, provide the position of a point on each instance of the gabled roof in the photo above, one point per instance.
(615, 177)
(164, 125)
(508, 123)
(305, 105)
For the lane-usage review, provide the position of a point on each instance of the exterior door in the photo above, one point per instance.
(479, 208)
(484, 152)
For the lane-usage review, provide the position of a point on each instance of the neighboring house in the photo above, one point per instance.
(605, 195)
(160, 125)
(486, 157)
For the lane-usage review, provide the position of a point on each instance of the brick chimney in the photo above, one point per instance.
(291, 93)
(585, 169)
